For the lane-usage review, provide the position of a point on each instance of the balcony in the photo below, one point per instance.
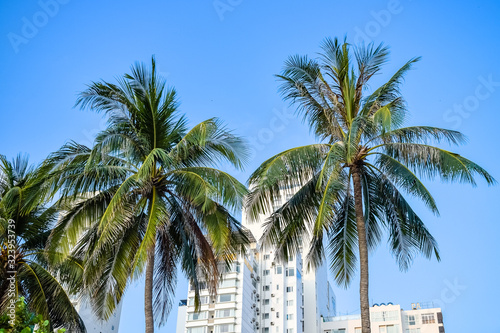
(341, 318)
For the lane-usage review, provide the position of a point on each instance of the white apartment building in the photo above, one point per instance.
(94, 324)
(389, 318)
(233, 309)
(260, 295)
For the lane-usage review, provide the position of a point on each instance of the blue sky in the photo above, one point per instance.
(222, 55)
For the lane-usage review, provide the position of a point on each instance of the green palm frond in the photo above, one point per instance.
(405, 179)
(48, 295)
(365, 147)
(146, 183)
(210, 142)
(24, 198)
(407, 233)
(431, 161)
(343, 242)
(280, 173)
(422, 134)
(389, 92)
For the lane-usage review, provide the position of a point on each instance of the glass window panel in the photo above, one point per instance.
(226, 298)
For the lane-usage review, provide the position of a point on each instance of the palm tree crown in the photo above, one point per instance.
(352, 184)
(43, 286)
(147, 198)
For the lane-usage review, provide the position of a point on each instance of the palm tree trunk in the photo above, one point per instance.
(148, 293)
(363, 253)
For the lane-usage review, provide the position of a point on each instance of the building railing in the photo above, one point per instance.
(422, 305)
(341, 318)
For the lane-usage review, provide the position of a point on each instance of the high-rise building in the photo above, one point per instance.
(233, 309)
(258, 294)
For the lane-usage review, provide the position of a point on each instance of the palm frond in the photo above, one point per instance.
(431, 161)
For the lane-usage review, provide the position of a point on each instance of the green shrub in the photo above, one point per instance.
(25, 321)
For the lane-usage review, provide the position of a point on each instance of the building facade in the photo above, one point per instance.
(94, 324)
(389, 318)
(259, 294)
(233, 309)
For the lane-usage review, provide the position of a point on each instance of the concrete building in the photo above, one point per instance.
(234, 307)
(92, 323)
(260, 295)
(389, 318)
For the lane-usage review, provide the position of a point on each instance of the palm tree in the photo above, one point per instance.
(25, 225)
(147, 198)
(350, 186)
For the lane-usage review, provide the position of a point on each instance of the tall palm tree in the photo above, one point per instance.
(349, 188)
(147, 197)
(25, 225)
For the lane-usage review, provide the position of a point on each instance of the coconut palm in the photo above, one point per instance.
(25, 225)
(350, 187)
(147, 197)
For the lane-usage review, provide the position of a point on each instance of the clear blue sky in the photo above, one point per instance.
(222, 64)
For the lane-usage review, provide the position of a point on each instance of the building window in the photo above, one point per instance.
(440, 317)
(228, 283)
(289, 302)
(265, 330)
(265, 301)
(279, 269)
(428, 318)
(266, 272)
(277, 314)
(384, 316)
(226, 298)
(277, 287)
(224, 313)
(196, 330)
(357, 330)
(290, 271)
(289, 330)
(389, 329)
(413, 330)
(224, 328)
(203, 300)
(197, 316)
(265, 316)
(289, 316)
(411, 320)
(267, 256)
(265, 288)
(289, 289)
